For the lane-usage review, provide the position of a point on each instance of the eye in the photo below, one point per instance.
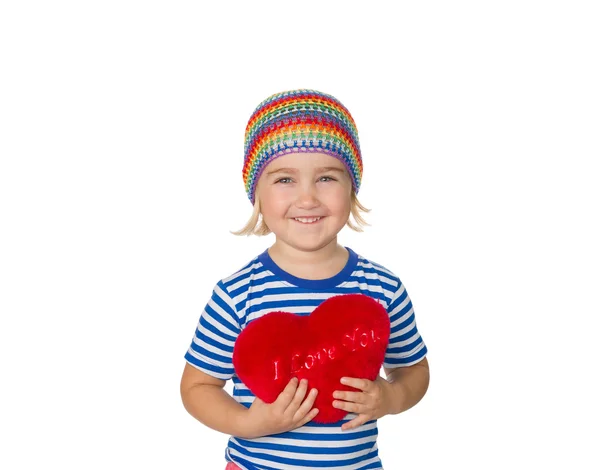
(282, 179)
(327, 178)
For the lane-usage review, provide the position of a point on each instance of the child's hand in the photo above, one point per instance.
(284, 414)
(372, 402)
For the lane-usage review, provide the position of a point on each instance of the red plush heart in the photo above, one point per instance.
(345, 336)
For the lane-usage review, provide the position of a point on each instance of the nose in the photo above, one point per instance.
(307, 198)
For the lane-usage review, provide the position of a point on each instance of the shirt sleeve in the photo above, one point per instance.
(406, 346)
(211, 349)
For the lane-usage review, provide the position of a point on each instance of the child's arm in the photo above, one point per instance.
(408, 385)
(204, 398)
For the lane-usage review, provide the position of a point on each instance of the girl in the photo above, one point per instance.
(302, 171)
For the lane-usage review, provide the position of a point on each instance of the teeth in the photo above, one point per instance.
(306, 220)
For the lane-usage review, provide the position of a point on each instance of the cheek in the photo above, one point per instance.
(273, 202)
(340, 201)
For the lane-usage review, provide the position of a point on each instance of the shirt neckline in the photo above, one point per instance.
(315, 284)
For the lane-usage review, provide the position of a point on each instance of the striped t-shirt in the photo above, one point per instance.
(261, 287)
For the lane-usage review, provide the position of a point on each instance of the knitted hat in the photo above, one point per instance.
(300, 121)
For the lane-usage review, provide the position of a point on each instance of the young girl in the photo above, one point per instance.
(302, 171)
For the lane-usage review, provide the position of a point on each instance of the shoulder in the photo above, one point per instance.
(228, 290)
(388, 280)
(241, 276)
(373, 268)
(238, 286)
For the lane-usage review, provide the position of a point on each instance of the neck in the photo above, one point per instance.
(321, 263)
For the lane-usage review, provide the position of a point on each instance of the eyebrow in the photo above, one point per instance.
(295, 170)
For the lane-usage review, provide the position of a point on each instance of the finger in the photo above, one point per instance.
(298, 396)
(356, 422)
(287, 395)
(306, 405)
(348, 406)
(361, 384)
(355, 397)
(309, 417)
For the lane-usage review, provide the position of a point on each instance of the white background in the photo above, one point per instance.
(121, 144)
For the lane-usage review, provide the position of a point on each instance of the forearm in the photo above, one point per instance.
(215, 408)
(407, 386)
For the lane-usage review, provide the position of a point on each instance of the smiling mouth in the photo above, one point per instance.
(307, 220)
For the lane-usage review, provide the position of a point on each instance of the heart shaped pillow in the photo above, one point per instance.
(345, 336)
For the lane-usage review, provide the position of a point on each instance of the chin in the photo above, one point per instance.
(312, 243)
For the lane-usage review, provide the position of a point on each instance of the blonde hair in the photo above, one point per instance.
(256, 225)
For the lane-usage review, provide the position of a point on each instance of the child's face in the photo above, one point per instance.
(305, 185)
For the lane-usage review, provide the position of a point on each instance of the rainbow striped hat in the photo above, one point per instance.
(300, 121)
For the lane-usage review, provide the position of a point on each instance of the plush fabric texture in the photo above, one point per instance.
(345, 336)
(300, 121)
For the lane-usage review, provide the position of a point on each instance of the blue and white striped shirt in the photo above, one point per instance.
(261, 287)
